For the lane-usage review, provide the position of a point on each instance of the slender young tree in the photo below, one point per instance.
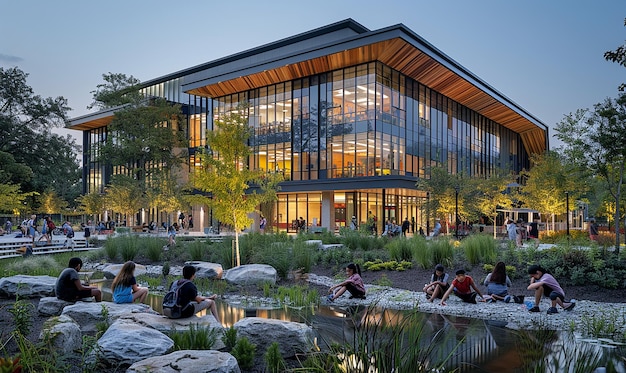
(486, 195)
(234, 190)
(548, 184)
(92, 204)
(124, 195)
(596, 140)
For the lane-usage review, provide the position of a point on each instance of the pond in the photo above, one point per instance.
(471, 345)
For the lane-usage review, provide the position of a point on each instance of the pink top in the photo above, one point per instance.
(357, 281)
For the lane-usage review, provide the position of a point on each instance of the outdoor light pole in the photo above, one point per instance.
(456, 212)
(428, 213)
(567, 212)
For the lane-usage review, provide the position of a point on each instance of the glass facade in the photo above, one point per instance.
(353, 124)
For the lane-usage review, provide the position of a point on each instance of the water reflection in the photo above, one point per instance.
(469, 345)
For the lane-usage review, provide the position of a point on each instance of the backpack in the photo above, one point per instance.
(51, 226)
(171, 308)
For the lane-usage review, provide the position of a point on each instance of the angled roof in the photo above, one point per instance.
(347, 43)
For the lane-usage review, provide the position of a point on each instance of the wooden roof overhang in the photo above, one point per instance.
(414, 58)
(91, 121)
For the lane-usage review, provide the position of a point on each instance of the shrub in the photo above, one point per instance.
(152, 248)
(37, 265)
(302, 256)
(479, 248)
(274, 361)
(442, 252)
(400, 250)
(21, 312)
(244, 353)
(196, 250)
(229, 338)
(196, 338)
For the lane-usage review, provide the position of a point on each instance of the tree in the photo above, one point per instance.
(166, 195)
(548, 183)
(618, 56)
(486, 195)
(146, 136)
(125, 196)
(40, 160)
(12, 199)
(92, 203)
(442, 187)
(596, 140)
(50, 203)
(234, 189)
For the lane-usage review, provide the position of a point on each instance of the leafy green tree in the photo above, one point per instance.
(92, 204)
(26, 121)
(124, 195)
(235, 190)
(596, 141)
(442, 187)
(50, 203)
(618, 56)
(12, 199)
(166, 195)
(547, 183)
(486, 195)
(147, 135)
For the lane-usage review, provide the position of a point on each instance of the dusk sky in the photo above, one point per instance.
(547, 56)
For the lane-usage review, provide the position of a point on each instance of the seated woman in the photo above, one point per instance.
(438, 284)
(125, 288)
(354, 284)
(498, 283)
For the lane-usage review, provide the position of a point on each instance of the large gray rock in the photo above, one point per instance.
(250, 274)
(165, 325)
(112, 270)
(27, 286)
(88, 315)
(63, 333)
(188, 361)
(207, 270)
(292, 337)
(52, 306)
(126, 342)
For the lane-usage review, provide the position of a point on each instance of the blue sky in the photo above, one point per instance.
(547, 56)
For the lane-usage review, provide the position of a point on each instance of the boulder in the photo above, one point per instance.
(188, 361)
(63, 333)
(165, 325)
(292, 337)
(89, 314)
(249, 274)
(27, 286)
(112, 270)
(126, 342)
(52, 306)
(207, 270)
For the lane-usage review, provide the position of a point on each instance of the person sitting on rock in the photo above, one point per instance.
(354, 284)
(544, 283)
(188, 294)
(124, 286)
(462, 286)
(438, 284)
(68, 286)
(498, 283)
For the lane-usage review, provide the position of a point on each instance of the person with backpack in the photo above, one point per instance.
(187, 297)
(69, 234)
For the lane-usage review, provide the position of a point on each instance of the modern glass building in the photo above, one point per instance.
(352, 118)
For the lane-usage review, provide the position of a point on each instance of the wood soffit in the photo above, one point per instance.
(410, 61)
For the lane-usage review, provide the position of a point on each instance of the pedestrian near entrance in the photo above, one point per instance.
(405, 226)
(593, 230)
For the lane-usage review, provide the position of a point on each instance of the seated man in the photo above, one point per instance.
(189, 295)
(69, 287)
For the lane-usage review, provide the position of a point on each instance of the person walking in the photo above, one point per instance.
(593, 230)
(405, 226)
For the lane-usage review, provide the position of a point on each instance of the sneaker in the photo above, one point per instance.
(330, 298)
(571, 306)
(507, 299)
(552, 310)
(491, 300)
(534, 309)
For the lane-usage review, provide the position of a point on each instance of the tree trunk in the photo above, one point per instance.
(237, 258)
(494, 227)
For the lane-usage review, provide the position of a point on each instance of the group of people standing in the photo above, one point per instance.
(518, 231)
